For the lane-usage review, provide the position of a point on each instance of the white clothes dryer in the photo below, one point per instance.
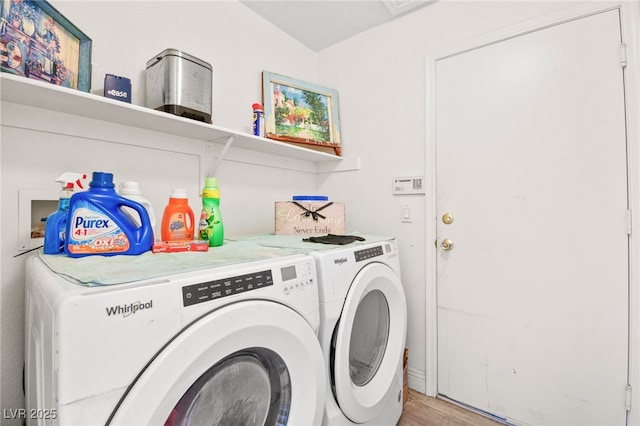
(235, 344)
(363, 323)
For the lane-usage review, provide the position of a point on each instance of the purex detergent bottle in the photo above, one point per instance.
(98, 224)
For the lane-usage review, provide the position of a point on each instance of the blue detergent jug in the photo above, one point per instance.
(97, 223)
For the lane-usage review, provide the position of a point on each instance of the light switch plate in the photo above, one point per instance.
(405, 214)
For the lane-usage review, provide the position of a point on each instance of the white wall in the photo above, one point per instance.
(380, 76)
(239, 45)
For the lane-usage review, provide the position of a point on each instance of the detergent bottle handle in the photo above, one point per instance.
(191, 218)
(142, 230)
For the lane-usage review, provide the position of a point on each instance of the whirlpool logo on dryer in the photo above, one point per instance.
(340, 261)
(130, 309)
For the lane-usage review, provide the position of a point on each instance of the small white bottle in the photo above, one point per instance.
(131, 190)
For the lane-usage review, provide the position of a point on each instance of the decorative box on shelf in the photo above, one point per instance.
(308, 216)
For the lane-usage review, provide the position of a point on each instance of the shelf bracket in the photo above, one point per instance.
(227, 145)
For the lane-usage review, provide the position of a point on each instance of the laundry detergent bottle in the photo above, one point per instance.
(131, 190)
(177, 218)
(98, 224)
(56, 225)
(210, 227)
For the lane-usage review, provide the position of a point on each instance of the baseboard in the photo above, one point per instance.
(417, 380)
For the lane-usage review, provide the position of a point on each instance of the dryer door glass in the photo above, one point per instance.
(249, 387)
(367, 346)
(369, 337)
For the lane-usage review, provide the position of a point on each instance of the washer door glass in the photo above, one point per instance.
(250, 387)
(254, 362)
(369, 337)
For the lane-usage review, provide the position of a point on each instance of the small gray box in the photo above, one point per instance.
(180, 84)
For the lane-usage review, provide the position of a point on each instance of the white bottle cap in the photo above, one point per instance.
(129, 188)
(179, 193)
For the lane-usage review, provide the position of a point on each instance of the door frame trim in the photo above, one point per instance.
(630, 16)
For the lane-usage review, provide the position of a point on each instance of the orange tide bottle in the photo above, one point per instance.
(177, 219)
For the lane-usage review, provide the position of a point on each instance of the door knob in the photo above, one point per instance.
(447, 218)
(446, 245)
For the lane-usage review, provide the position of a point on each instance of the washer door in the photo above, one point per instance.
(249, 363)
(368, 343)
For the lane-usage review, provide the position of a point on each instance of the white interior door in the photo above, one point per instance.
(531, 166)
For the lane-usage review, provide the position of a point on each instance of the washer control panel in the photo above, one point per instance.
(289, 278)
(297, 277)
(212, 290)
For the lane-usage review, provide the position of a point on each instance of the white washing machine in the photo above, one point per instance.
(235, 344)
(363, 322)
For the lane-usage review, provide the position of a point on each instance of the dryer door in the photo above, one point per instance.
(368, 342)
(252, 362)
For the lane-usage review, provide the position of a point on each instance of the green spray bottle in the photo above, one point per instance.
(210, 226)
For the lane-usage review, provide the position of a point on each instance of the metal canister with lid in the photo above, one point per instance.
(180, 84)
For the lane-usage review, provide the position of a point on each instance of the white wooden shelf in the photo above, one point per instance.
(24, 91)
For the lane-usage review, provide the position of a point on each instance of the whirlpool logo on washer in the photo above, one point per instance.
(340, 261)
(130, 309)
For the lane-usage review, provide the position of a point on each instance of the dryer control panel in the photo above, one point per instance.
(206, 291)
(374, 251)
(368, 253)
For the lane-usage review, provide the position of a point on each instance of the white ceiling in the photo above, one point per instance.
(319, 24)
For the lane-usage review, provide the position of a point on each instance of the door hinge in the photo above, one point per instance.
(623, 55)
(627, 398)
(628, 222)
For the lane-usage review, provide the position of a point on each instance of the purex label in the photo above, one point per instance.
(94, 232)
(88, 223)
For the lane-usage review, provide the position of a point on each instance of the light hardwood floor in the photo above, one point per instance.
(422, 410)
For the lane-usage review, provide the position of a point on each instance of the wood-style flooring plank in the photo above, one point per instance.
(422, 410)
